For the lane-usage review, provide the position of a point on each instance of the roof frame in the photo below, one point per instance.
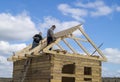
(60, 36)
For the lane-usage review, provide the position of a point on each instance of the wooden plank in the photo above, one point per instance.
(69, 46)
(82, 47)
(92, 43)
(54, 80)
(60, 46)
(51, 45)
(68, 75)
(67, 31)
(21, 54)
(10, 59)
(74, 55)
(14, 57)
(37, 49)
(76, 38)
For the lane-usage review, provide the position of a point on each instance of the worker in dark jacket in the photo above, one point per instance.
(36, 39)
(50, 35)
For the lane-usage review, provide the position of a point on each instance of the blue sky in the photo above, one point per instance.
(21, 19)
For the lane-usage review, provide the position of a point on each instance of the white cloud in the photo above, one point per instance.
(98, 8)
(90, 4)
(111, 67)
(93, 9)
(107, 73)
(75, 13)
(112, 54)
(7, 48)
(19, 27)
(6, 69)
(118, 8)
(48, 21)
(101, 11)
(3, 60)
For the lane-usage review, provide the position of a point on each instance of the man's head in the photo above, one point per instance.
(40, 33)
(53, 27)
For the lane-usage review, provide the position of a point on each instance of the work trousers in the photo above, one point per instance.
(49, 41)
(34, 44)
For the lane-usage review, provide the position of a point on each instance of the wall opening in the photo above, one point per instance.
(88, 79)
(87, 71)
(68, 79)
(68, 69)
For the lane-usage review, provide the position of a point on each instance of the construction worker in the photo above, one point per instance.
(36, 39)
(50, 35)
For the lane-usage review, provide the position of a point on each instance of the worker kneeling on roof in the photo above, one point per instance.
(36, 39)
(50, 35)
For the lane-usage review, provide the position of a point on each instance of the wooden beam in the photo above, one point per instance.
(69, 46)
(91, 42)
(67, 31)
(73, 37)
(14, 57)
(74, 55)
(37, 49)
(22, 57)
(51, 45)
(10, 59)
(28, 48)
(82, 47)
(24, 50)
(60, 46)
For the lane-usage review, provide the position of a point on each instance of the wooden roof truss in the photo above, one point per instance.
(62, 36)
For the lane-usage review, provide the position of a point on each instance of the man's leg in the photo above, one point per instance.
(49, 41)
(34, 44)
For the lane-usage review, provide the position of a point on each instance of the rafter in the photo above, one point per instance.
(91, 42)
(73, 50)
(73, 37)
(60, 36)
(67, 31)
(51, 45)
(83, 48)
(60, 46)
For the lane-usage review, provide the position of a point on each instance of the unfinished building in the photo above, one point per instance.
(59, 64)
